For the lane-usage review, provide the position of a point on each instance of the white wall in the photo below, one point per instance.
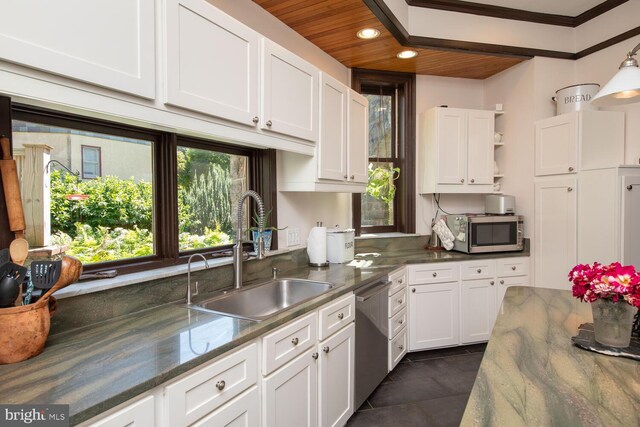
(432, 91)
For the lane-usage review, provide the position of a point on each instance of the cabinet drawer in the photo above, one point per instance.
(397, 322)
(397, 348)
(336, 316)
(471, 270)
(507, 267)
(398, 282)
(206, 389)
(397, 302)
(433, 273)
(138, 414)
(286, 343)
(244, 410)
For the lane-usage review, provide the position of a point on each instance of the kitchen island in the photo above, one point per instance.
(532, 375)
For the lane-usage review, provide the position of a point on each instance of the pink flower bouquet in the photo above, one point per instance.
(614, 282)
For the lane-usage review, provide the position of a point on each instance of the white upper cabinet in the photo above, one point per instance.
(289, 93)
(332, 148)
(574, 141)
(109, 43)
(358, 147)
(212, 62)
(457, 151)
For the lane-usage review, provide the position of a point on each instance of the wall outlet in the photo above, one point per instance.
(293, 236)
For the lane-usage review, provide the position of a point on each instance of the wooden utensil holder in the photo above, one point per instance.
(25, 330)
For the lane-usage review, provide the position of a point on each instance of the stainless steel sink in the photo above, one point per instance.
(264, 300)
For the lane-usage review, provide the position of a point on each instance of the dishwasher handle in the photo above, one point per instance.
(373, 291)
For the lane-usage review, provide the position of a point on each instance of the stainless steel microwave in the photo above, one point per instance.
(481, 233)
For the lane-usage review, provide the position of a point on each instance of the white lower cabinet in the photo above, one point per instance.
(397, 312)
(434, 315)
(290, 395)
(457, 303)
(336, 364)
(138, 414)
(241, 412)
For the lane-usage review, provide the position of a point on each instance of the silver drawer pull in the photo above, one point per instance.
(220, 385)
(570, 169)
(513, 267)
(435, 274)
(401, 347)
(479, 270)
(353, 177)
(326, 349)
(413, 290)
(462, 181)
(295, 341)
(314, 356)
(502, 282)
(401, 321)
(400, 300)
(473, 180)
(255, 120)
(340, 316)
(569, 189)
(269, 123)
(492, 283)
(400, 281)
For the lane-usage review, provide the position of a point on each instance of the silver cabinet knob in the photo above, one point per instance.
(492, 283)
(314, 356)
(399, 300)
(570, 169)
(256, 120)
(269, 123)
(400, 281)
(401, 321)
(353, 177)
(435, 274)
(326, 349)
(473, 180)
(502, 282)
(295, 341)
(569, 189)
(513, 267)
(629, 187)
(345, 177)
(462, 181)
(220, 385)
(413, 290)
(479, 270)
(401, 347)
(340, 316)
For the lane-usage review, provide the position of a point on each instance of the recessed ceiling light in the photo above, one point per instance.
(406, 54)
(368, 33)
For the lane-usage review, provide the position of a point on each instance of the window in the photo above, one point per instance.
(91, 162)
(389, 202)
(130, 198)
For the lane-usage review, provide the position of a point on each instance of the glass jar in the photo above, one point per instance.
(613, 322)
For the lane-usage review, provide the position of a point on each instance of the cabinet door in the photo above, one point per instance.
(556, 145)
(358, 146)
(290, 395)
(451, 141)
(480, 150)
(107, 43)
(336, 377)
(243, 411)
(478, 309)
(505, 282)
(214, 62)
(630, 230)
(289, 93)
(434, 316)
(332, 145)
(555, 232)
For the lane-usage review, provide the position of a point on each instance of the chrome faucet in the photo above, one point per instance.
(237, 248)
(206, 264)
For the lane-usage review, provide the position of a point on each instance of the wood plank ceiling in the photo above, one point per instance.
(332, 26)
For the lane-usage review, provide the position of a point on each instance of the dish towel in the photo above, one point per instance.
(446, 236)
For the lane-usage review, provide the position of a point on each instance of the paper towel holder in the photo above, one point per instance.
(319, 264)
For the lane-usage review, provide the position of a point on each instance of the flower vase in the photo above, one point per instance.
(613, 322)
(266, 237)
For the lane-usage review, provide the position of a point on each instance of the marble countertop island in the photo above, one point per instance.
(532, 375)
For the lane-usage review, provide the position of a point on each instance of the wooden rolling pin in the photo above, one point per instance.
(11, 187)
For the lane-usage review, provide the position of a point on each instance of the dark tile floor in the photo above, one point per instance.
(426, 389)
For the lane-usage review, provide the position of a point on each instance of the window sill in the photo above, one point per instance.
(386, 235)
(91, 286)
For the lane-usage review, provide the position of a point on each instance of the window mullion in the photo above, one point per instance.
(166, 197)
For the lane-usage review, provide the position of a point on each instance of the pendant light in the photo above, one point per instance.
(624, 87)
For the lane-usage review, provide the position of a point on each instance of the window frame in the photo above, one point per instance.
(99, 150)
(262, 178)
(404, 85)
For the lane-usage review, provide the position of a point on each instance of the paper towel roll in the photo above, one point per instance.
(317, 246)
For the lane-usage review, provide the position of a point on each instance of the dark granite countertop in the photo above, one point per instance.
(532, 375)
(98, 367)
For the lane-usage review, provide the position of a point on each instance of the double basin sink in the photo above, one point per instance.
(262, 301)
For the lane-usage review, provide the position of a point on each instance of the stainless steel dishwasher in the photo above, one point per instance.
(372, 338)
